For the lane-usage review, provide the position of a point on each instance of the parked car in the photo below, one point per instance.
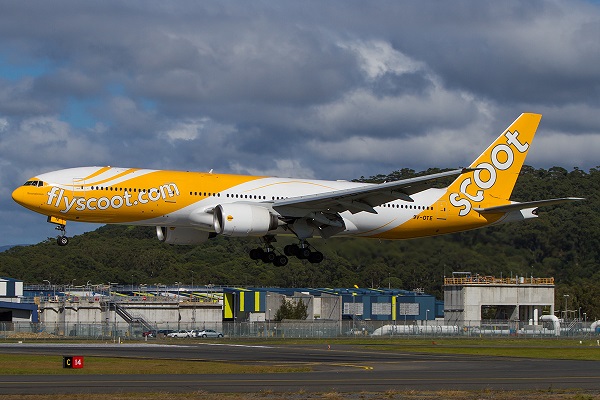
(151, 333)
(208, 333)
(182, 333)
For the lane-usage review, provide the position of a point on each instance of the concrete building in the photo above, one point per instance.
(80, 315)
(469, 299)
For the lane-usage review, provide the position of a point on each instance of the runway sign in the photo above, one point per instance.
(72, 362)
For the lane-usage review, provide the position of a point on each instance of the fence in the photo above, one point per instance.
(296, 329)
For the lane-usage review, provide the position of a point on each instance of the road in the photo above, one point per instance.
(343, 368)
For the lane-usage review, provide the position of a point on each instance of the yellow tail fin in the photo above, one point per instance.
(497, 168)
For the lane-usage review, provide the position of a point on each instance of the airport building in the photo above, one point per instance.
(517, 301)
(12, 309)
(471, 303)
(71, 311)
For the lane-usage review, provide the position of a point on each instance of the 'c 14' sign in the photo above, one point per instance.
(72, 362)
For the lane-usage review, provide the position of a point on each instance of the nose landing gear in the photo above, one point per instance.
(62, 239)
(61, 224)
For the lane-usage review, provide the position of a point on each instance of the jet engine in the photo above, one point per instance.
(180, 235)
(243, 220)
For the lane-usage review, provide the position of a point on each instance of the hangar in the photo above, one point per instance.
(12, 309)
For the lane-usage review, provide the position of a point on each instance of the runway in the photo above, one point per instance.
(342, 368)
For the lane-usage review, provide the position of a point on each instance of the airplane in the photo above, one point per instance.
(190, 208)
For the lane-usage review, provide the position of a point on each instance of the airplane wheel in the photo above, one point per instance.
(280, 261)
(291, 250)
(62, 240)
(315, 257)
(257, 254)
(303, 253)
(269, 257)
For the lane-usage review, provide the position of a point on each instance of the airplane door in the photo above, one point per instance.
(79, 187)
(441, 209)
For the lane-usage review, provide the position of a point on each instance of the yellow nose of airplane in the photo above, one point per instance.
(27, 197)
(18, 195)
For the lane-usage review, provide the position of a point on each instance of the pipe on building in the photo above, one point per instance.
(555, 322)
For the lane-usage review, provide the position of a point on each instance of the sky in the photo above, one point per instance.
(308, 89)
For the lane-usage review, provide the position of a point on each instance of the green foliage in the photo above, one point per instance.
(563, 243)
(291, 309)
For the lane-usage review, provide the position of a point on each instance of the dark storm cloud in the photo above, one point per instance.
(308, 89)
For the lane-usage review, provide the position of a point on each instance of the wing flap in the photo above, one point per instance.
(360, 198)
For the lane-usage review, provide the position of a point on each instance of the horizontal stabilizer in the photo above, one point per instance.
(528, 204)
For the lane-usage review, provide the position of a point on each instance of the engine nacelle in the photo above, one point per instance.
(243, 220)
(179, 235)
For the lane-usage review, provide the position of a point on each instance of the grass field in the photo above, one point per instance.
(506, 347)
(17, 364)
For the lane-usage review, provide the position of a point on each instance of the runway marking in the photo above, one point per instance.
(253, 346)
(72, 382)
(306, 363)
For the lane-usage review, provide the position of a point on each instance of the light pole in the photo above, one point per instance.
(426, 317)
(566, 296)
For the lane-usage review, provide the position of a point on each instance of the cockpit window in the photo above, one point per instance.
(34, 183)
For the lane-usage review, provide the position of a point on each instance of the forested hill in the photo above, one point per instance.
(563, 243)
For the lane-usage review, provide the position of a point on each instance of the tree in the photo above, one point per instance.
(291, 309)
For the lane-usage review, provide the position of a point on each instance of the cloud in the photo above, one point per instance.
(325, 90)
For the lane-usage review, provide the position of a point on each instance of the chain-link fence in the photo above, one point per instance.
(297, 329)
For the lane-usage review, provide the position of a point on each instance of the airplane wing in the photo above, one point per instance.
(521, 206)
(360, 198)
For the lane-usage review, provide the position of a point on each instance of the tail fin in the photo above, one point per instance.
(496, 169)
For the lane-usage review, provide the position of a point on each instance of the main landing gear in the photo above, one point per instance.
(302, 251)
(268, 254)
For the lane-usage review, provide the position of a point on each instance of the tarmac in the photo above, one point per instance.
(341, 368)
